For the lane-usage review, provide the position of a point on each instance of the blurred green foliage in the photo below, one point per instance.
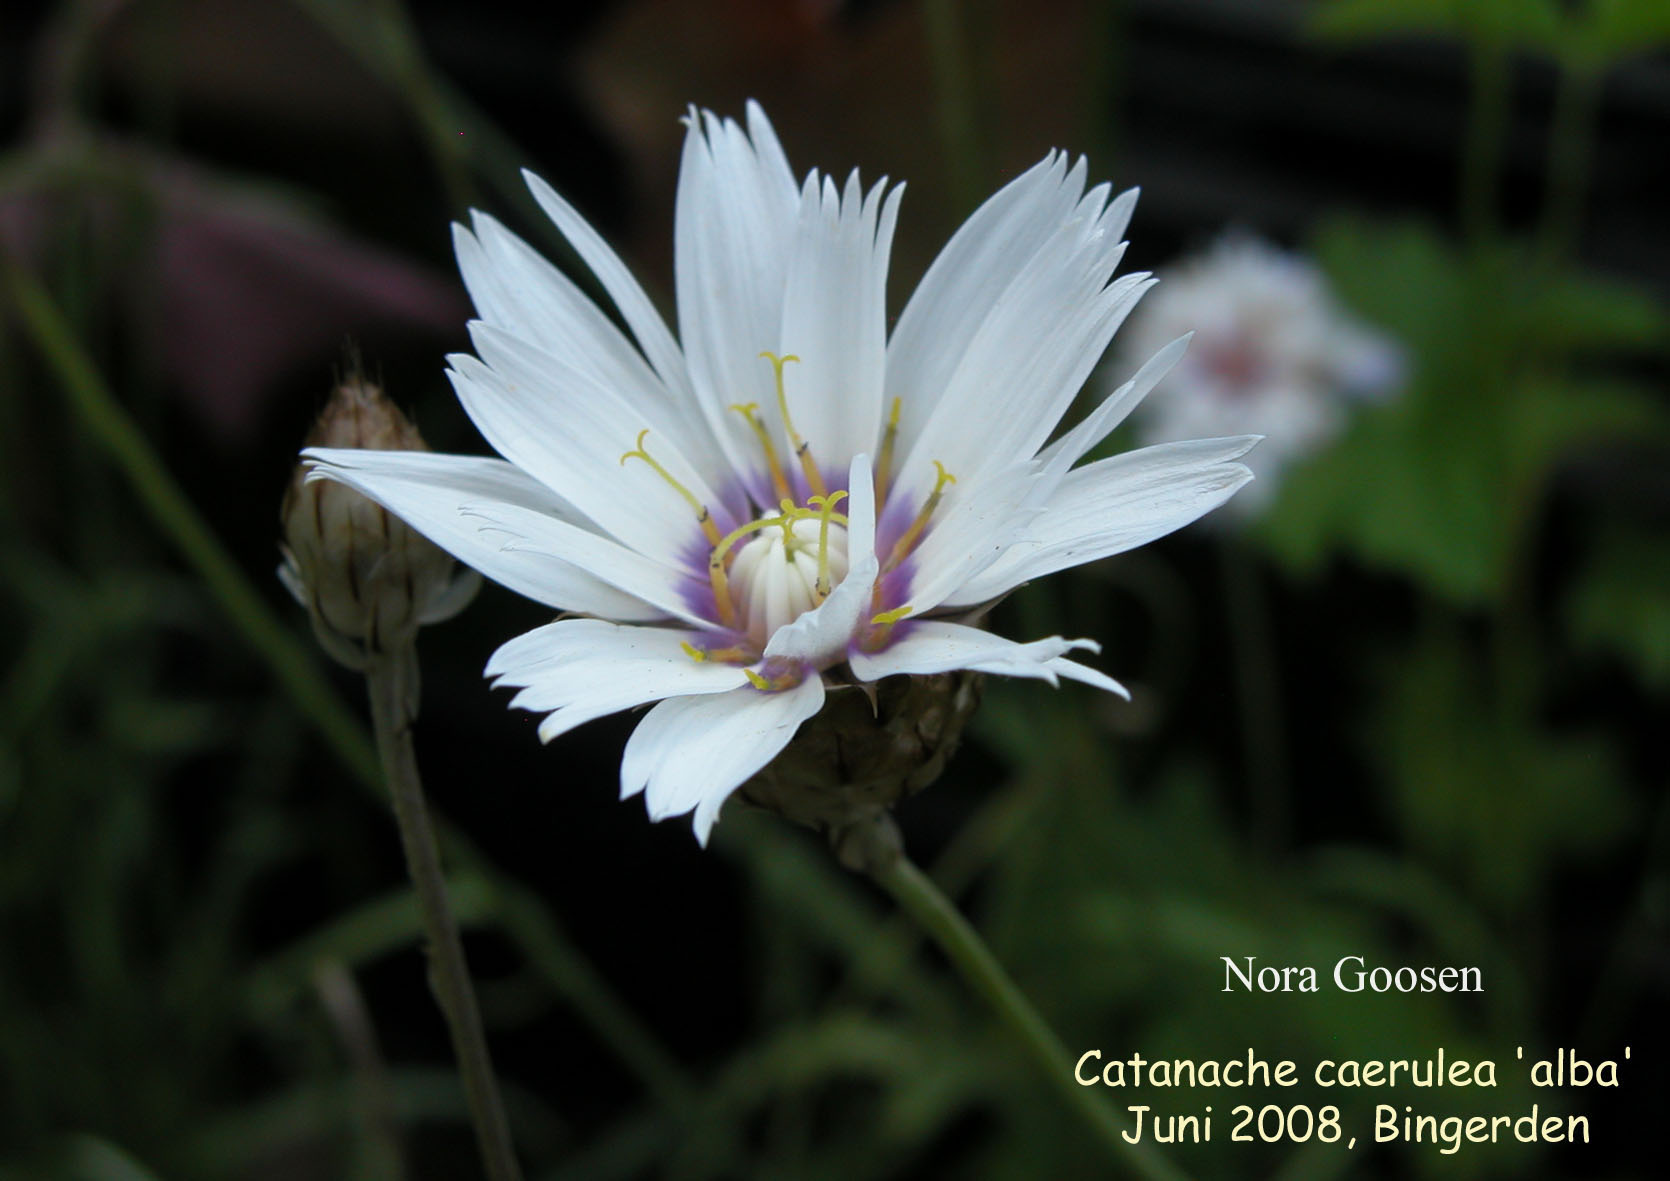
(1585, 35)
(1442, 483)
(1619, 605)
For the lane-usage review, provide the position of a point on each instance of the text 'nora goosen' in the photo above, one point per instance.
(1350, 974)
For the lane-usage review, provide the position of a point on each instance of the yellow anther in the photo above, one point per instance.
(801, 448)
(826, 509)
(902, 547)
(779, 481)
(881, 626)
(885, 465)
(735, 654)
(787, 679)
(703, 517)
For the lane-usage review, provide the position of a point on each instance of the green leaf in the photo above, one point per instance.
(1439, 483)
(1507, 22)
(1620, 605)
(1486, 793)
(1605, 32)
(1576, 312)
(89, 1158)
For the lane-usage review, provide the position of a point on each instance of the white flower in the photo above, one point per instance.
(1274, 354)
(785, 489)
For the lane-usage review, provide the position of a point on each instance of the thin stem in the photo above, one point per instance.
(1107, 68)
(1487, 128)
(954, 88)
(524, 918)
(411, 74)
(389, 678)
(1570, 145)
(382, 1157)
(919, 897)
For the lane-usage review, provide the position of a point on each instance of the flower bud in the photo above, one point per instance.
(368, 581)
(862, 754)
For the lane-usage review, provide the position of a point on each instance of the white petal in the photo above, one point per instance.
(1076, 443)
(972, 528)
(820, 637)
(972, 271)
(935, 646)
(1074, 671)
(670, 588)
(773, 161)
(586, 668)
(517, 290)
(428, 491)
(692, 752)
(734, 227)
(1117, 504)
(835, 317)
(635, 307)
(1039, 338)
(1032, 357)
(569, 432)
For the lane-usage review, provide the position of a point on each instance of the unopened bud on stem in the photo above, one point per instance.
(366, 578)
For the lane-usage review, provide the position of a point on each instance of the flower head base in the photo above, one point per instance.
(785, 494)
(864, 752)
(1273, 352)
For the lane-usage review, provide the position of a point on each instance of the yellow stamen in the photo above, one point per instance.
(777, 684)
(703, 517)
(735, 654)
(826, 508)
(716, 566)
(779, 481)
(902, 547)
(881, 626)
(885, 466)
(790, 513)
(802, 449)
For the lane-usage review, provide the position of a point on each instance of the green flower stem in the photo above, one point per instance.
(461, 138)
(525, 920)
(919, 897)
(412, 76)
(1488, 114)
(389, 678)
(955, 88)
(1570, 146)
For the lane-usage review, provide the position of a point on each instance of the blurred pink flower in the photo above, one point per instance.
(230, 289)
